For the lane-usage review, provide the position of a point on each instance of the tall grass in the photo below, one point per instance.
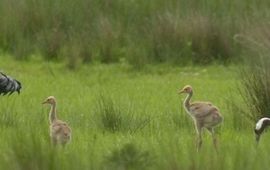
(32, 150)
(165, 142)
(254, 76)
(129, 157)
(255, 90)
(201, 38)
(115, 118)
(139, 32)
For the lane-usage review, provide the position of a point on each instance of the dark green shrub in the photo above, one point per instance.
(114, 118)
(110, 115)
(255, 89)
(129, 157)
(255, 76)
(192, 39)
(141, 32)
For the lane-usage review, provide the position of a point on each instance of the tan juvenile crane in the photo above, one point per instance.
(204, 115)
(60, 132)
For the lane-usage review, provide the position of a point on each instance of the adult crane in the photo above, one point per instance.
(8, 85)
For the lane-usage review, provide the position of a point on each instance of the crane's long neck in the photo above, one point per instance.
(187, 100)
(52, 115)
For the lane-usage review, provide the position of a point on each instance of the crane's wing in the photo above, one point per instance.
(8, 84)
(202, 109)
(60, 127)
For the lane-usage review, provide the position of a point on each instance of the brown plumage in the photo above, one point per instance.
(60, 132)
(204, 114)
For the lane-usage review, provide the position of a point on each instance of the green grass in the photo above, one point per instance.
(138, 32)
(123, 119)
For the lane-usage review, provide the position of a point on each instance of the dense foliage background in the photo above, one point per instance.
(133, 31)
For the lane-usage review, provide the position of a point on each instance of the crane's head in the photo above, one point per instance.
(185, 89)
(261, 125)
(49, 100)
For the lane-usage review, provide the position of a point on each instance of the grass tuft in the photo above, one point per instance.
(129, 157)
(255, 77)
(110, 115)
(114, 117)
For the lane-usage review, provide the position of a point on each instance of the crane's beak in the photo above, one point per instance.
(44, 102)
(181, 91)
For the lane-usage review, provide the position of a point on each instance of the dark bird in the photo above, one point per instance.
(260, 127)
(8, 85)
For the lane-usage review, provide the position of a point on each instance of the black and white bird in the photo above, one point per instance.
(260, 127)
(8, 85)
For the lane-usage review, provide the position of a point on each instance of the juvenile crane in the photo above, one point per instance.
(8, 85)
(204, 115)
(60, 132)
(260, 127)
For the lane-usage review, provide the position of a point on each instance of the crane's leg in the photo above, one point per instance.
(257, 137)
(199, 137)
(211, 130)
(53, 141)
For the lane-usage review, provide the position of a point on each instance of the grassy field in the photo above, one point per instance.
(115, 68)
(123, 119)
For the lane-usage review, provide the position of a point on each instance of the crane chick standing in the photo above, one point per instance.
(60, 132)
(204, 114)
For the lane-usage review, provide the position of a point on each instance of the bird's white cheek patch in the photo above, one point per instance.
(260, 123)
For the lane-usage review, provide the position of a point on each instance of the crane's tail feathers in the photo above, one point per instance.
(9, 85)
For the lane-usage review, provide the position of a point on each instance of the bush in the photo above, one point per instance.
(114, 118)
(142, 32)
(255, 89)
(110, 115)
(129, 157)
(255, 76)
(193, 39)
